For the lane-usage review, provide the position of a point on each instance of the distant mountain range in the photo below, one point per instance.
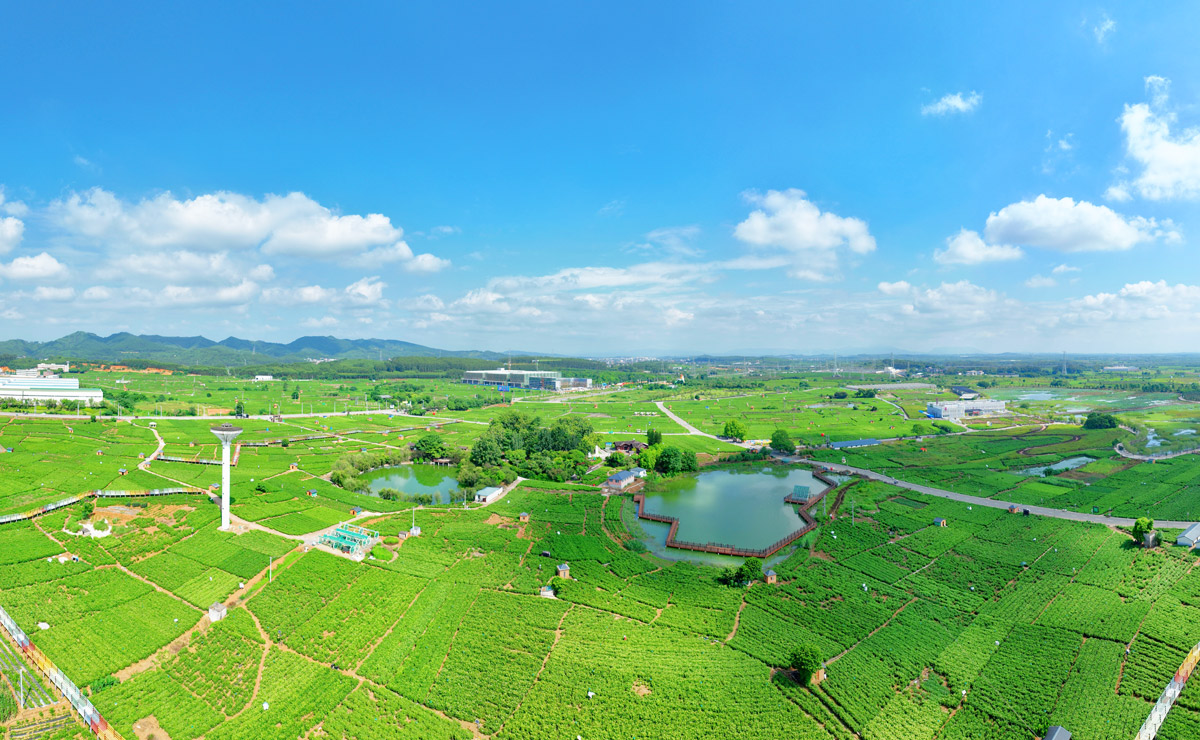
(124, 347)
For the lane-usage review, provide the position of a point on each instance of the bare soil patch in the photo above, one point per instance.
(149, 729)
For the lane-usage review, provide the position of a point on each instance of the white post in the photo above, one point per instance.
(225, 485)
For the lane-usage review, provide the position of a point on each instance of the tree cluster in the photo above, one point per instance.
(1099, 420)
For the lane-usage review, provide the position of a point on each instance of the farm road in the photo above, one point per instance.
(1074, 516)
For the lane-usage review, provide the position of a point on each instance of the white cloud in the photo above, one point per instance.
(11, 231)
(612, 208)
(426, 263)
(674, 316)
(292, 224)
(187, 295)
(97, 293)
(12, 207)
(953, 103)
(962, 302)
(47, 293)
(787, 220)
(1040, 281)
(439, 231)
(674, 240)
(323, 322)
(186, 267)
(367, 291)
(38, 267)
(967, 248)
(1104, 28)
(900, 287)
(1137, 302)
(302, 294)
(1066, 225)
(1170, 161)
(1065, 268)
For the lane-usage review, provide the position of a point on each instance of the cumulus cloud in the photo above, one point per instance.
(368, 291)
(900, 287)
(953, 103)
(187, 267)
(1068, 226)
(1040, 281)
(787, 220)
(426, 263)
(12, 229)
(968, 248)
(1064, 269)
(1141, 301)
(38, 267)
(97, 293)
(1169, 160)
(323, 322)
(188, 295)
(961, 302)
(47, 293)
(292, 225)
(288, 296)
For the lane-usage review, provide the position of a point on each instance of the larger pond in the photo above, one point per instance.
(434, 481)
(1069, 464)
(740, 507)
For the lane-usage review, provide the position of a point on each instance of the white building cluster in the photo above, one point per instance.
(22, 386)
(955, 410)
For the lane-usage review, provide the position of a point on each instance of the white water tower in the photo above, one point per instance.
(226, 433)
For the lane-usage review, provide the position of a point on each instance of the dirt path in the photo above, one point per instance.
(872, 632)
(737, 619)
(542, 667)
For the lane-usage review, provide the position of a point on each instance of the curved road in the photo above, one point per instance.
(1074, 516)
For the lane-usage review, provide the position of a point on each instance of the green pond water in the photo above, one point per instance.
(433, 480)
(742, 507)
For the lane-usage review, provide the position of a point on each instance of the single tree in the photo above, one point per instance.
(486, 453)
(1143, 525)
(654, 437)
(781, 441)
(616, 460)
(1099, 420)
(750, 570)
(87, 509)
(805, 661)
(431, 445)
(734, 429)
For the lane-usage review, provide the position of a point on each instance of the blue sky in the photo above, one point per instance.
(606, 179)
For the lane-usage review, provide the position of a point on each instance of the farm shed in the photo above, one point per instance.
(1057, 733)
(939, 522)
(524, 516)
(564, 570)
(772, 577)
(1189, 537)
(217, 612)
(487, 495)
(850, 443)
(621, 480)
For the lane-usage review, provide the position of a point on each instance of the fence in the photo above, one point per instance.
(1168, 697)
(722, 549)
(9, 518)
(91, 717)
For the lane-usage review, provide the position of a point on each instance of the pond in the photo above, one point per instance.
(433, 480)
(1069, 464)
(740, 507)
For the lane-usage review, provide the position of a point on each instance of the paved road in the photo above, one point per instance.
(690, 429)
(993, 503)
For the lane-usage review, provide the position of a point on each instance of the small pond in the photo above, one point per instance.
(1069, 464)
(432, 480)
(740, 507)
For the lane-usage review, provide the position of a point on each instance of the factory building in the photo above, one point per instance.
(547, 380)
(959, 409)
(40, 390)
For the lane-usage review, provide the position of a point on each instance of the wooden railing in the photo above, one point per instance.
(741, 552)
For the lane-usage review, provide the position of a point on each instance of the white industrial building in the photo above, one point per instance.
(40, 390)
(504, 379)
(958, 409)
